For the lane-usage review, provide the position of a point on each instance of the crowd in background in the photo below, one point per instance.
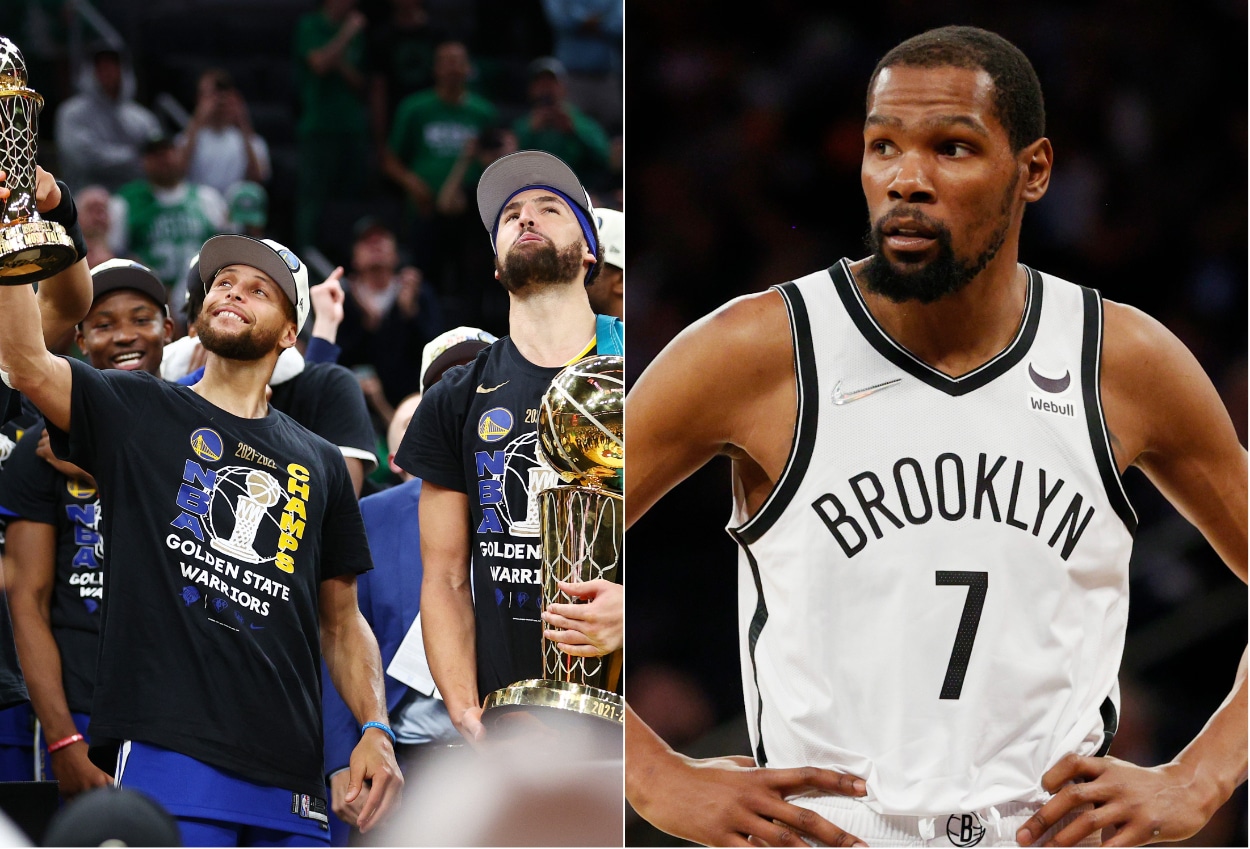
(353, 131)
(747, 175)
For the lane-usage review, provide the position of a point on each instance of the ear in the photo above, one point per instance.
(1037, 159)
(169, 331)
(289, 336)
(390, 461)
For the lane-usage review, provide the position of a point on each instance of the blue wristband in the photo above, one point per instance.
(386, 728)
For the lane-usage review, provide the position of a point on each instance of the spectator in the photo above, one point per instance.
(401, 61)
(469, 295)
(219, 147)
(429, 133)
(95, 219)
(162, 219)
(101, 131)
(333, 129)
(556, 125)
(589, 41)
(389, 314)
(247, 209)
(607, 293)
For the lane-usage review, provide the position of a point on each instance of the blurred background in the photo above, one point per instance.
(745, 173)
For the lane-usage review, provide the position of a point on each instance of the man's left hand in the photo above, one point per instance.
(592, 629)
(1137, 805)
(373, 761)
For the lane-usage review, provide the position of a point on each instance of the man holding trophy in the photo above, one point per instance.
(474, 443)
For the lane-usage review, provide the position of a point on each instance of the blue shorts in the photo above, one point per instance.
(17, 743)
(213, 805)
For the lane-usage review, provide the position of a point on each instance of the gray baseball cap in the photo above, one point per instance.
(276, 260)
(524, 169)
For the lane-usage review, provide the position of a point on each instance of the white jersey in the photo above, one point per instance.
(934, 596)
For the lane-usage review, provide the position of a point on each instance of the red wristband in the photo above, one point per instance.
(61, 744)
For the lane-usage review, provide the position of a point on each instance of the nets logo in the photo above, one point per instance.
(206, 444)
(494, 425)
(964, 829)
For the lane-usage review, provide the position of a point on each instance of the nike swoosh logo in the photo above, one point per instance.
(840, 397)
(1050, 384)
(484, 390)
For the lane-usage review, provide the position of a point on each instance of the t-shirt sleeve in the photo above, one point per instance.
(28, 483)
(431, 447)
(101, 402)
(343, 416)
(344, 545)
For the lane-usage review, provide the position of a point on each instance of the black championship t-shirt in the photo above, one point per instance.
(34, 491)
(220, 531)
(476, 432)
(13, 422)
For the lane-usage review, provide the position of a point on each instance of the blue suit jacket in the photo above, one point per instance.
(389, 597)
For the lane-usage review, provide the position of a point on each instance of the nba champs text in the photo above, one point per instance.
(237, 528)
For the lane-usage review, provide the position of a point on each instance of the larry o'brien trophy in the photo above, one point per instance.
(582, 533)
(31, 249)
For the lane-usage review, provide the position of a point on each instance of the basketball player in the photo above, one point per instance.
(53, 545)
(234, 538)
(472, 439)
(927, 447)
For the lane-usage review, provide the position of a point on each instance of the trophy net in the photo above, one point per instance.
(17, 152)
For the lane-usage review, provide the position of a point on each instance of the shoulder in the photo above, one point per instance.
(1143, 361)
(748, 337)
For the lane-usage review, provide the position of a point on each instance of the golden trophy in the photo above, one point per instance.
(31, 249)
(582, 532)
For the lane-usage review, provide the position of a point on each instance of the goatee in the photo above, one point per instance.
(944, 275)
(540, 265)
(251, 344)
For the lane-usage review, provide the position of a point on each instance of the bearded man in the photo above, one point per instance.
(234, 541)
(473, 441)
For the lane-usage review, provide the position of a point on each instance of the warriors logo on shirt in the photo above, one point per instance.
(206, 444)
(494, 425)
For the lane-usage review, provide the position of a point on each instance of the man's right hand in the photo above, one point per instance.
(75, 772)
(731, 802)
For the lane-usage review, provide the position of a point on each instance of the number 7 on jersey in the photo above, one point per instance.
(961, 652)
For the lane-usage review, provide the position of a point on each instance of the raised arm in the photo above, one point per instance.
(447, 605)
(351, 654)
(1189, 449)
(680, 416)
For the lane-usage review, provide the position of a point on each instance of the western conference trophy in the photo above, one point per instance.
(31, 249)
(582, 533)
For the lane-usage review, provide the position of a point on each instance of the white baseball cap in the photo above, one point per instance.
(454, 347)
(611, 224)
(276, 260)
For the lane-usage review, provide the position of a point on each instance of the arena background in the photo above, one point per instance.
(744, 168)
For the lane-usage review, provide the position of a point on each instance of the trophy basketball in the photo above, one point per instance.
(582, 528)
(31, 249)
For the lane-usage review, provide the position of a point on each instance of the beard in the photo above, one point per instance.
(249, 345)
(929, 281)
(540, 265)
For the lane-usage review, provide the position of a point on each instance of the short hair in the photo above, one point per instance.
(1017, 94)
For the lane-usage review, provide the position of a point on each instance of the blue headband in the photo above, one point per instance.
(588, 229)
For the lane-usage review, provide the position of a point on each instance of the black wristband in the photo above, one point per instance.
(66, 214)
